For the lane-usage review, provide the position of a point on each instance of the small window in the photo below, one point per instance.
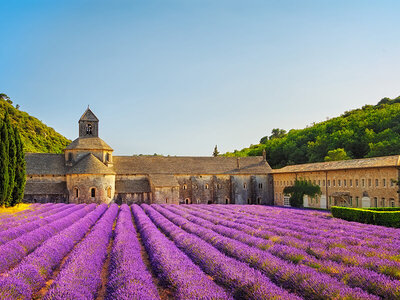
(357, 182)
(185, 187)
(187, 201)
(323, 182)
(339, 182)
(383, 202)
(369, 182)
(351, 182)
(166, 200)
(334, 182)
(108, 156)
(93, 192)
(76, 192)
(392, 202)
(351, 201)
(314, 182)
(258, 200)
(206, 186)
(260, 186)
(376, 182)
(89, 129)
(245, 186)
(248, 200)
(344, 182)
(319, 182)
(362, 182)
(109, 192)
(392, 182)
(226, 201)
(70, 157)
(375, 202)
(329, 183)
(384, 182)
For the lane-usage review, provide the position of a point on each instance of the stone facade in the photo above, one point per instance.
(355, 183)
(88, 172)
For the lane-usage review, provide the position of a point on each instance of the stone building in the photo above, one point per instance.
(87, 172)
(369, 182)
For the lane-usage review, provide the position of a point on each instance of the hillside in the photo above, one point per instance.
(373, 130)
(36, 136)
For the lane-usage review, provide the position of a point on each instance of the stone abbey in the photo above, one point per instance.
(88, 172)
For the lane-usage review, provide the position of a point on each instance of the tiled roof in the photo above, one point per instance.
(163, 180)
(189, 165)
(45, 188)
(88, 143)
(44, 164)
(374, 162)
(90, 164)
(132, 186)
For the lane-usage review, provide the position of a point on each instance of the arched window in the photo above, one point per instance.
(109, 192)
(187, 201)
(226, 201)
(166, 200)
(185, 187)
(93, 192)
(206, 186)
(245, 186)
(258, 200)
(76, 192)
(89, 129)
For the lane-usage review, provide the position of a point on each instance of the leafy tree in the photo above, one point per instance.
(4, 163)
(299, 189)
(20, 171)
(12, 155)
(215, 152)
(277, 133)
(337, 154)
(365, 132)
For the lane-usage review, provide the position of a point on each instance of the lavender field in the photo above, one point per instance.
(68, 251)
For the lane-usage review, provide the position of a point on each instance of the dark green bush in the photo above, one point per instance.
(386, 216)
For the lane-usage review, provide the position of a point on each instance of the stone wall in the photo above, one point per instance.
(85, 183)
(372, 184)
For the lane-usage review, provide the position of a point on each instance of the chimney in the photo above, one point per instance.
(238, 162)
(264, 155)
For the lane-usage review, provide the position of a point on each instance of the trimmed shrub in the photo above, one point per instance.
(389, 216)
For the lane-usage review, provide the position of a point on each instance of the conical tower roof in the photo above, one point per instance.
(90, 164)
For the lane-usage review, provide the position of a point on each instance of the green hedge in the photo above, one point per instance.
(378, 216)
(384, 208)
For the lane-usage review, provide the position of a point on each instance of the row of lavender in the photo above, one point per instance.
(259, 240)
(218, 252)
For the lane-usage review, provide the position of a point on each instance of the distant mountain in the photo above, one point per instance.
(370, 131)
(36, 136)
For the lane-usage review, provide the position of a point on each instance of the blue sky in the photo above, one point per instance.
(178, 77)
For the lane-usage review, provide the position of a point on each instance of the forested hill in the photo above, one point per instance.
(36, 136)
(373, 130)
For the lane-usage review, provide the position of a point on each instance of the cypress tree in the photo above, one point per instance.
(12, 152)
(4, 162)
(20, 172)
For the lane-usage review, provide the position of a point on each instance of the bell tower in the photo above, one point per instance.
(88, 124)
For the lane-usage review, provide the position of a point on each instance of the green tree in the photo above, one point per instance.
(215, 152)
(12, 157)
(299, 189)
(20, 171)
(4, 163)
(277, 133)
(337, 154)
